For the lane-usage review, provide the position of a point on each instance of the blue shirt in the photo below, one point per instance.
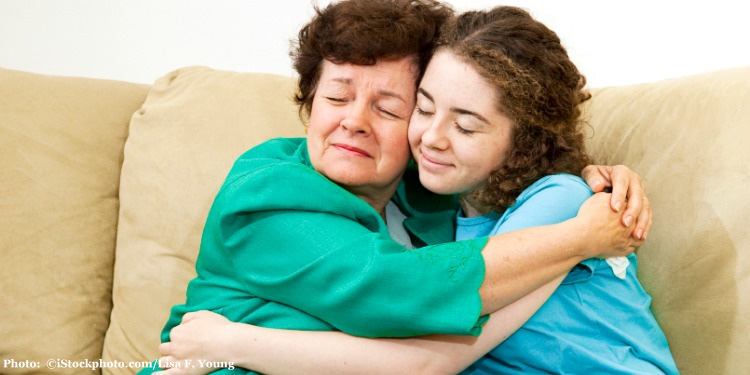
(594, 323)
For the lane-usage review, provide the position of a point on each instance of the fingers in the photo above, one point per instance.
(173, 366)
(165, 348)
(634, 202)
(166, 364)
(633, 245)
(195, 315)
(166, 360)
(643, 222)
(621, 182)
(636, 244)
(189, 316)
(597, 177)
(650, 220)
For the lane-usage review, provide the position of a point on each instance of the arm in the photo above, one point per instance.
(522, 260)
(344, 279)
(515, 267)
(279, 351)
(331, 257)
(334, 267)
(206, 335)
(312, 352)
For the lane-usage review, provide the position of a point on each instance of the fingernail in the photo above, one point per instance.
(618, 204)
(639, 234)
(628, 220)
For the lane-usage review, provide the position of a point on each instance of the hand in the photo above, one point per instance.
(196, 346)
(627, 188)
(602, 230)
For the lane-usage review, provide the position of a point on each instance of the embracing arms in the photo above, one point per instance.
(521, 261)
(208, 336)
(336, 352)
(352, 269)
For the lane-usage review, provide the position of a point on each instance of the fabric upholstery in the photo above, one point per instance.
(688, 138)
(194, 123)
(61, 141)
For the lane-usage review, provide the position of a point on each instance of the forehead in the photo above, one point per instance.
(398, 76)
(455, 80)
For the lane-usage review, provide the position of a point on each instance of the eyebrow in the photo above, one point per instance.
(349, 81)
(460, 111)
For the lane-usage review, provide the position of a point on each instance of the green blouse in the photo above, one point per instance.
(284, 247)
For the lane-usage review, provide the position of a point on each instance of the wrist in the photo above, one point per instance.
(577, 231)
(230, 348)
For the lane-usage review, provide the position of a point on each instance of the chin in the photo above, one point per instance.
(346, 180)
(434, 185)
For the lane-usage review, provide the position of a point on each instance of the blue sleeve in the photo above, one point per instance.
(550, 200)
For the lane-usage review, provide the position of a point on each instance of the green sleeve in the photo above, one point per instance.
(321, 259)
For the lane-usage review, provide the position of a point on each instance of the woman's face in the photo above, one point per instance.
(358, 124)
(458, 136)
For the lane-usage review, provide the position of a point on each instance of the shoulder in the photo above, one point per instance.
(557, 188)
(279, 155)
(276, 151)
(270, 177)
(558, 182)
(551, 199)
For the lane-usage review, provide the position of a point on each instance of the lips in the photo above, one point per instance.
(431, 160)
(351, 149)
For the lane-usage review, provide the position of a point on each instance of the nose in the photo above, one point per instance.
(434, 136)
(356, 120)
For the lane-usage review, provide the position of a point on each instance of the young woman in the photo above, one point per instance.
(497, 121)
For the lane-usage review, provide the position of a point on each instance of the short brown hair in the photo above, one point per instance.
(363, 31)
(538, 88)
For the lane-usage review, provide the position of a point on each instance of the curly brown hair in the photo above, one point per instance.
(363, 31)
(539, 89)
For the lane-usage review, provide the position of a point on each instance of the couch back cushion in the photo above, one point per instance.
(193, 125)
(61, 142)
(684, 136)
(688, 138)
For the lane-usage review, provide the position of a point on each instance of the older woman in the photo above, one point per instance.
(299, 236)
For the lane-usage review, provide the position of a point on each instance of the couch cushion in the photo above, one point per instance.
(688, 138)
(61, 143)
(194, 124)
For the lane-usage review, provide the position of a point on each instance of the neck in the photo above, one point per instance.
(378, 198)
(471, 207)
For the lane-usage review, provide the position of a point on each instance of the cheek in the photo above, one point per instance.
(315, 118)
(493, 159)
(323, 120)
(316, 135)
(477, 158)
(416, 129)
(503, 152)
(396, 145)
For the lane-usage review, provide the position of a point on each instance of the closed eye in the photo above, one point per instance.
(464, 130)
(421, 112)
(388, 113)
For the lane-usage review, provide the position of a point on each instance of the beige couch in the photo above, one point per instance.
(104, 187)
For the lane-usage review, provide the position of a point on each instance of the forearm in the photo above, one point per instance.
(278, 351)
(312, 352)
(275, 351)
(521, 261)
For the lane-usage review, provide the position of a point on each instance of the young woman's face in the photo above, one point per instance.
(457, 134)
(358, 124)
